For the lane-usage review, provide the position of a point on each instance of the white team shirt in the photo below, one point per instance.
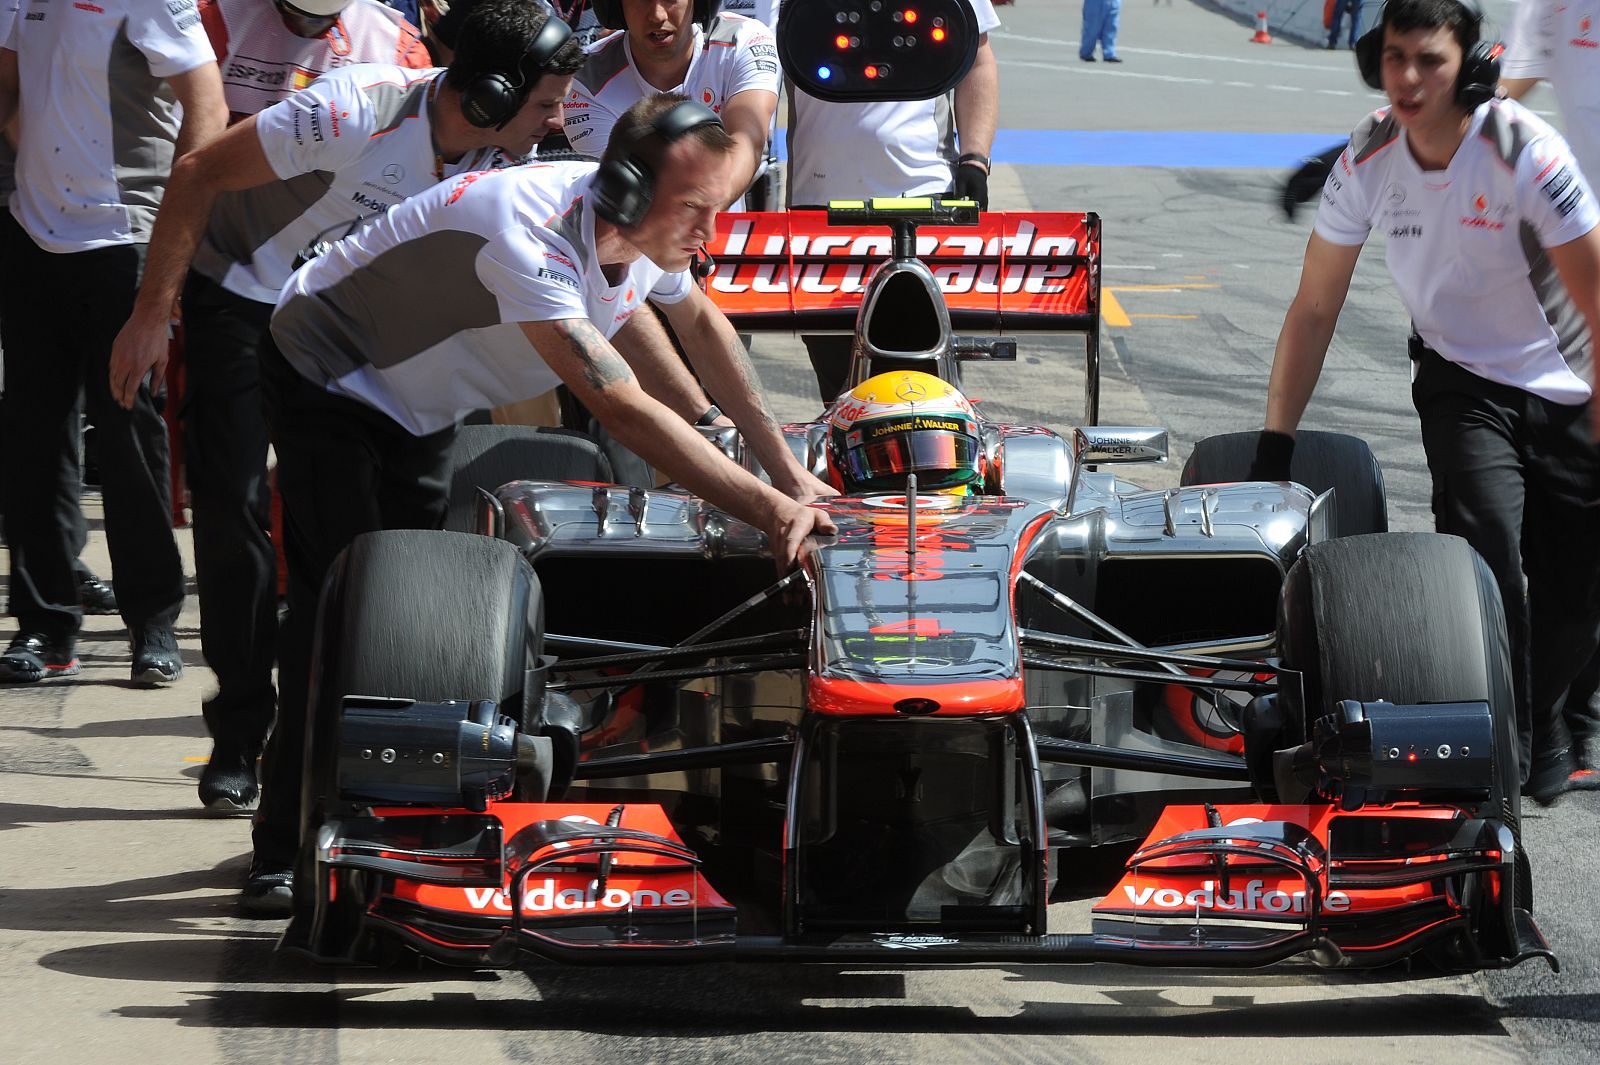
(1559, 40)
(416, 315)
(1478, 293)
(352, 145)
(884, 148)
(737, 55)
(97, 121)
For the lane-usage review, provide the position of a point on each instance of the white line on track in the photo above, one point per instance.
(1341, 70)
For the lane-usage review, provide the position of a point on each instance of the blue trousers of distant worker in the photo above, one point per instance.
(1099, 24)
(1353, 7)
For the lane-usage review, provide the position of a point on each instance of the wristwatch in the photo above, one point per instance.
(709, 418)
(973, 157)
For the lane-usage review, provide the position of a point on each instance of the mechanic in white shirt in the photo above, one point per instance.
(727, 62)
(268, 49)
(1493, 246)
(309, 168)
(481, 291)
(97, 90)
(892, 148)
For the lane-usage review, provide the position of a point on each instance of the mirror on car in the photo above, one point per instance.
(1100, 444)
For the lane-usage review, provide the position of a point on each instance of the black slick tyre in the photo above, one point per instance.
(1321, 461)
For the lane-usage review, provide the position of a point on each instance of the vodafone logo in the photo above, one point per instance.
(1254, 898)
(548, 896)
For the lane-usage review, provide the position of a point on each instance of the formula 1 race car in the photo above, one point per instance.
(1016, 710)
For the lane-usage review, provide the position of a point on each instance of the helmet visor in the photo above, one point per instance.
(940, 459)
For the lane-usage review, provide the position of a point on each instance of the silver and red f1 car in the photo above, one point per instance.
(1057, 719)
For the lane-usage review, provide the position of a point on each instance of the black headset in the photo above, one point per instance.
(493, 99)
(624, 185)
(609, 13)
(1480, 67)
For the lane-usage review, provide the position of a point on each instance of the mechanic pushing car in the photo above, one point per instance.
(311, 167)
(482, 291)
(1494, 249)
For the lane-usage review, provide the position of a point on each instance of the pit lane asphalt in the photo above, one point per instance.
(118, 940)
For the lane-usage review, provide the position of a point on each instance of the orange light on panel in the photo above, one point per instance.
(937, 35)
(842, 41)
(911, 15)
(871, 72)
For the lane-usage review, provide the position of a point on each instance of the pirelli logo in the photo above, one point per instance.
(1564, 190)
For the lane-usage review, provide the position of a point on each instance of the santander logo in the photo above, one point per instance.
(1582, 40)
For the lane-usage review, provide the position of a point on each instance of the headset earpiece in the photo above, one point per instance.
(1480, 67)
(623, 186)
(491, 100)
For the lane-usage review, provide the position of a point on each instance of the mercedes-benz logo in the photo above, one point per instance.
(394, 173)
(911, 391)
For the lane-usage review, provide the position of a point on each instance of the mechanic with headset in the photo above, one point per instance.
(1493, 246)
(481, 291)
(727, 62)
(892, 148)
(309, 168)
(268, 49)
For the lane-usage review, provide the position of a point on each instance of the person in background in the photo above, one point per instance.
(1341, 8)
(1100, 19)
(120, 73)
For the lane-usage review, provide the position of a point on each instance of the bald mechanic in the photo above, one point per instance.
(484, 290)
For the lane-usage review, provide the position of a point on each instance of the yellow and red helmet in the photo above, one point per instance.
(904, 422)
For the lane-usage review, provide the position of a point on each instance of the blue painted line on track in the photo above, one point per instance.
(1163, 148)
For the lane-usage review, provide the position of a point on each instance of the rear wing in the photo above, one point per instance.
(1008, 273)
(1012, 272)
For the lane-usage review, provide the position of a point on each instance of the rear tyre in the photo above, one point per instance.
(1408, 618)
(488, 456)
(1321, 461)
(415, 614)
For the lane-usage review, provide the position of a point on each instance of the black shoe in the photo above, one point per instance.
(95, 595)
(33, 656)
(155, 655)
(1087, 58)
(1551, 777)
(268, 890)
(228, 784)
(1113, 59)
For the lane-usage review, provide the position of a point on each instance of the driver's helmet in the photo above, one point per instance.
(905, 422)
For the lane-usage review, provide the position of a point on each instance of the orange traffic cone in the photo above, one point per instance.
(1262, 36)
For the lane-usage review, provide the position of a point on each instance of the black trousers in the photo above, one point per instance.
(830, 361)
(343, 469)
(60, 314)
(1515, 475)
(225, 452)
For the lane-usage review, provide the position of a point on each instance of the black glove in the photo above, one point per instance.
(972, 183)
(1306, 182)
(1274, 450)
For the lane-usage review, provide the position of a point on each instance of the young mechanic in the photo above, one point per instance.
(1493, 247)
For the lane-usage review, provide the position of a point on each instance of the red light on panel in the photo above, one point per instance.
(937, 35)
(871, 72)
(842, 41)
(911, 15)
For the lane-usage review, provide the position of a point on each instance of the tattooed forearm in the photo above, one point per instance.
(745, 373)
(598, 360)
